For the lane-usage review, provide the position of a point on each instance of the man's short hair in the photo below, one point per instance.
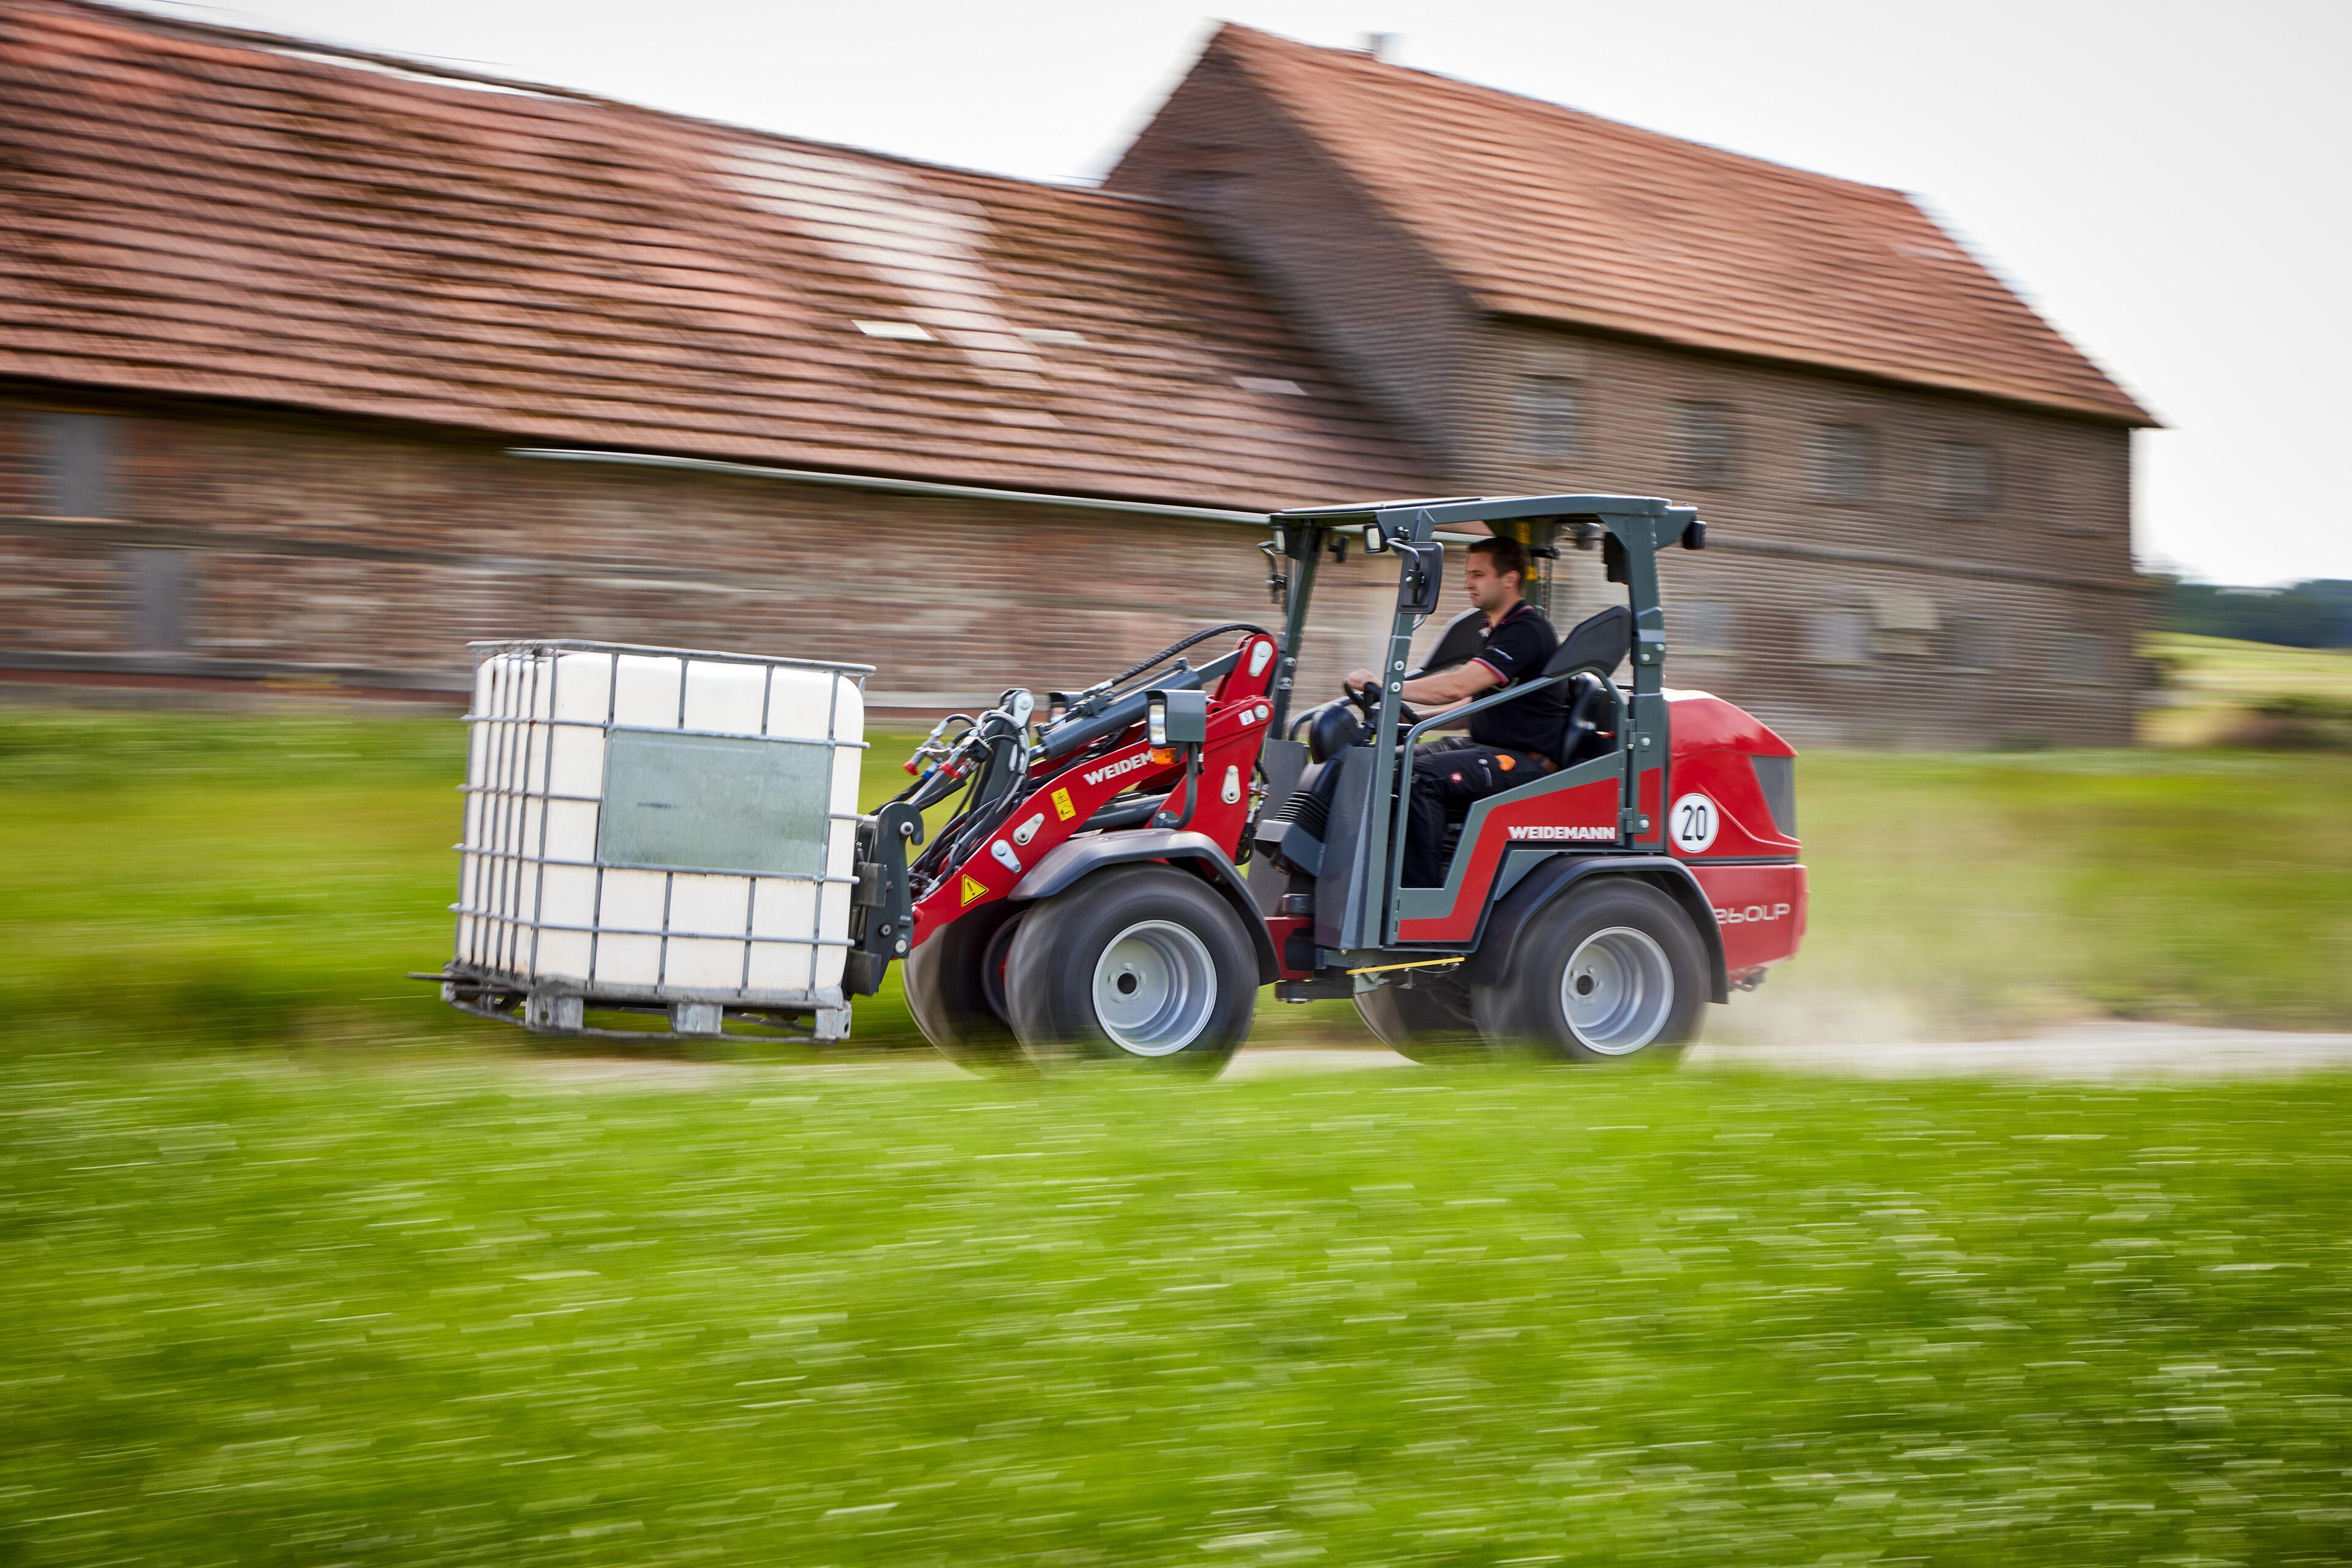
(1504, 555)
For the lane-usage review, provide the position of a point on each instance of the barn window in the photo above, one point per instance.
(1975, 643)
(1708, 443)
(1907, 621)
(1551, 413)
(1967, 479)
(1701, 626)
(158, 584)
(2079, 656)
(1838, 636)
(77, 459)
(1845, 461)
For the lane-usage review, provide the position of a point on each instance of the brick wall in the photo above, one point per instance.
(2012, 622)
(372, 553)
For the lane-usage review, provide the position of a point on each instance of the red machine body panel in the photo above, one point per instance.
(1582, 815)
(1719, 810)
(1720, 823)
(1759, 910)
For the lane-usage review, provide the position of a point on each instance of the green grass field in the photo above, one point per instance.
(218, 880)
(271, 1311)
(2211, 682)
(304, 1268)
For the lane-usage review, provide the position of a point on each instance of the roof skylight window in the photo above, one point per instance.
(905, 332)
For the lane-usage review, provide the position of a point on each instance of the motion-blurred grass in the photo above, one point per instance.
(2213, 685)
(206, 878)
(266, 1309)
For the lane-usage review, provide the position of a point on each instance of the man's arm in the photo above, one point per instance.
(1441, 689)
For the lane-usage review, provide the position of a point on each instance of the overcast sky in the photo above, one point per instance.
(2167, 183)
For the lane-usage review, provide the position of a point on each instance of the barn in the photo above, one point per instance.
(320, 363)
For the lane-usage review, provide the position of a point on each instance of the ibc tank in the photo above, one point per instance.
(649, 826)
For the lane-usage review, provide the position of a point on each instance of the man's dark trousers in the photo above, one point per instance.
(1454, 773)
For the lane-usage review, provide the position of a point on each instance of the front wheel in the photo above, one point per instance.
(955, 990)
(1610, 971)
(1143, 964)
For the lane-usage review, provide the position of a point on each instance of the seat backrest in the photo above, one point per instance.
(1598, 642)
(1460, 642)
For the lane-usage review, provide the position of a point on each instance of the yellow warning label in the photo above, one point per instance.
(1061, 806)
(973, 888)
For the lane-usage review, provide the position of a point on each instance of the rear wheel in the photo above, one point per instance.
(955, 988)
(1144, 964)
(1430, 1021)
(1612, 970)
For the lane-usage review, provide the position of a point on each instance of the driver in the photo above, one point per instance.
(1510, 742)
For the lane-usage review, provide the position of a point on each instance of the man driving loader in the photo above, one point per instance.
(1510, 743)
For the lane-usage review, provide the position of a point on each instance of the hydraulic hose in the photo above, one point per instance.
(1173, 649)
(1126, 709)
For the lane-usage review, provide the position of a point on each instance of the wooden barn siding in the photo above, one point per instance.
(375, 553)
(2051, 559)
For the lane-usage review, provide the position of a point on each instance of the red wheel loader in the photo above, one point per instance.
(1123, 870)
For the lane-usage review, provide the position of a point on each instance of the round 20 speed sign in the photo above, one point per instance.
(1692, 822)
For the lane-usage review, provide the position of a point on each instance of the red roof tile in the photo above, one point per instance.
(195, 211)
(1542, 211)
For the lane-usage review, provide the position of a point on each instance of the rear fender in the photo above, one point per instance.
(1555, 877)
(1196, 852)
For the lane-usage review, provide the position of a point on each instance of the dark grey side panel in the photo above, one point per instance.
(1282, 761)
(1350, 803)
(1776, 777)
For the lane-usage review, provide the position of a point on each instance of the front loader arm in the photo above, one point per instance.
(1060, 804)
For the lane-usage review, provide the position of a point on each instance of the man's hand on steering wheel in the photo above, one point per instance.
(1364, 691)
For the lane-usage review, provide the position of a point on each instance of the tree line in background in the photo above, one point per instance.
(2317, 613)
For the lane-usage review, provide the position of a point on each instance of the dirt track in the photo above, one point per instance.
(2103, 1050)
(2085, 1051)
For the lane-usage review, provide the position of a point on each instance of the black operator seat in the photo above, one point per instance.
(1458, 643)
(1595, 649)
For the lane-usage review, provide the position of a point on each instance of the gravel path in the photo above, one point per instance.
(2099, 1050)
(2095, 1051)
(2086, 1051)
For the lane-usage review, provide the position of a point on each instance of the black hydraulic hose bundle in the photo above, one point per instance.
(1173, 649)
(1111, 711)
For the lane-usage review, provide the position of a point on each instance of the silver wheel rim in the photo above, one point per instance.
(1155, 987)
(1617, 990)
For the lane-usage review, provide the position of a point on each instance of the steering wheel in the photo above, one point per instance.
(1367, 698)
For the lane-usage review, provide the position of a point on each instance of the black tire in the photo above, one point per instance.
(1430, 1021)
(1640, 972)
(955, 990)
(1190, 1012)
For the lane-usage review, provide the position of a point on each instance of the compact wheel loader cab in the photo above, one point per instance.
(1084, 899)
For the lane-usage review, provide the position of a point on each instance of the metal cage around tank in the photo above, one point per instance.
(656, 828)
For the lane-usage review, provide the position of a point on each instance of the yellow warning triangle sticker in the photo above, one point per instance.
(973, 888)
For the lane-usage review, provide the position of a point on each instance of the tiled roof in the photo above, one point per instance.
(1541, 211)
(195, 211)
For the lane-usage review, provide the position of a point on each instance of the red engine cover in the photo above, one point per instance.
(1718, 820)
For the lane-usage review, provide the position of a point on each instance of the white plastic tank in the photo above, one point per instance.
(657, 826)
